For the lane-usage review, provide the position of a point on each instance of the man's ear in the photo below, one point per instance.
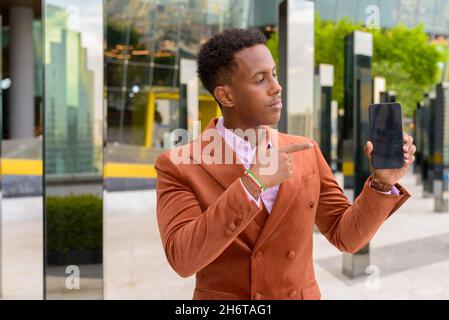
(224, 95)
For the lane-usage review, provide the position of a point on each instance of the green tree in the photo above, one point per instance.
(330, 48)
(408, 61)
(273, 45)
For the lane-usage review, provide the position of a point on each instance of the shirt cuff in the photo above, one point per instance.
(394, 192)
(249, 195)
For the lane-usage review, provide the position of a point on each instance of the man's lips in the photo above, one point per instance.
(276, 103)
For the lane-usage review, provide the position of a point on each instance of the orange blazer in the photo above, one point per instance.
(210, 228)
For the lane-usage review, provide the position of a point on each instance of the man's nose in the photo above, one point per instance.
(277, 89)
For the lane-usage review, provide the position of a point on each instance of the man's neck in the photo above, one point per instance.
(242, 130)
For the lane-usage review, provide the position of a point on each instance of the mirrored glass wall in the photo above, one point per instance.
(73, 149)
(21, 217)
(147, 46)
(68, 68)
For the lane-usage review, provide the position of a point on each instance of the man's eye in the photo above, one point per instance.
(260, 79)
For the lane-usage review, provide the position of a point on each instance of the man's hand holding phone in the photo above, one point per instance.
(390, 150)
(392, 176)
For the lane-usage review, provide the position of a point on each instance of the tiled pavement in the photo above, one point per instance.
(410, 253)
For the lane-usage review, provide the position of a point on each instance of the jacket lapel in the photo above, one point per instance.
(285, 198)
(216, 157)
(205, 149)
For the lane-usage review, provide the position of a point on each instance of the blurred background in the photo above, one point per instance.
(92, 92)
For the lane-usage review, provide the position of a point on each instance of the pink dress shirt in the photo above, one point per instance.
(245, 153)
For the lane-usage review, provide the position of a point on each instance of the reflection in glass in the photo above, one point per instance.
(1, 116)
(408, 12)
(440, 22)
(297, 117)
(326, 9)
(364, 13)
(389, 13)
(73, 149)
(145, 41)
(347, 9)
(21, 252)
(431, 13)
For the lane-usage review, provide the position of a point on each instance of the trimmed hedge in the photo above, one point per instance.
(74, 224)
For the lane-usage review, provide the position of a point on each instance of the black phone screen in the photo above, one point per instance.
(386, 135)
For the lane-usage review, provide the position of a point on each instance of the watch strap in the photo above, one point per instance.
(380, 186)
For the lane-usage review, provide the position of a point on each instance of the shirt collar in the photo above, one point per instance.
(240, 146)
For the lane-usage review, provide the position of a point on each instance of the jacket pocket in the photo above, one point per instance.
(311, 293)
(206, 294)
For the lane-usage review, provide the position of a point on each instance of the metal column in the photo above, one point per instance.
(22, 72)
(441, 141)
(418, 138)
(429, 123)
(324, 114)
(358, 97)
(296, 66)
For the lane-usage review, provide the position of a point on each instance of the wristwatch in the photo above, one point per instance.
(380, 186)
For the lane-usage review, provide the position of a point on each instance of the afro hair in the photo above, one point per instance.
(216, 57)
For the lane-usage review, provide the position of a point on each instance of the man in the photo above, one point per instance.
(245, 227)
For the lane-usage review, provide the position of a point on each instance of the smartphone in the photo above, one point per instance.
(385, 121)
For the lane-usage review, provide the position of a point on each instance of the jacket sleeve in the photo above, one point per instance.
(351, 227)
(193, 238)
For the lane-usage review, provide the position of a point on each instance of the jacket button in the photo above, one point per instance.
(232, 226)
(292, 293)
(259, 254)
(311, 204)
(228, 232)
(258, 296)
(291, 254)
(240, 216)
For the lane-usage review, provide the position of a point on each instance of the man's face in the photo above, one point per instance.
(255, 88)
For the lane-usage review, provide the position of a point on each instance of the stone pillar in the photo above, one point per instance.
(22, 73)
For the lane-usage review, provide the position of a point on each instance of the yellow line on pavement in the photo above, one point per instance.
(127, 170)
(20, 167)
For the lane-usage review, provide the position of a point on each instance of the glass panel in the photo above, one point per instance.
(167, 120)
(408, 12)
(21, 260)
(363, 5)
(137, 74)
(426, 14)
(389, 14)
(145, 41)
(264, 13)
(440, 14)
(326, 9)
(1, 116)
(114, 71)
(164, 76)
(301, 71)
(74, 149)
(347, 9)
